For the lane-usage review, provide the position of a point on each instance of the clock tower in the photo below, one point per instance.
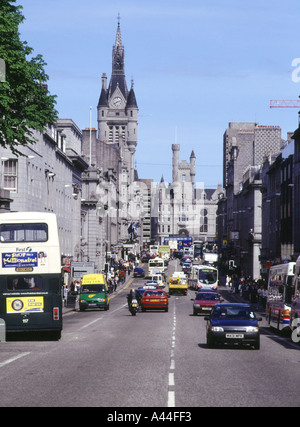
(118, 111)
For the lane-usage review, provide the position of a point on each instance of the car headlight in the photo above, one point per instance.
(197, 305)
(252, 329)
(101, 299)
(217, 329)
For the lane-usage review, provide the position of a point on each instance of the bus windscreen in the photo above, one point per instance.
(23, 233)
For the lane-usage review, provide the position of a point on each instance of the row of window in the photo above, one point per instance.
(167, 228)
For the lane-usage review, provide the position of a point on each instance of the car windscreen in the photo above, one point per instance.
(154, 294)
(209, 296)
(233, 312)
(92, 289)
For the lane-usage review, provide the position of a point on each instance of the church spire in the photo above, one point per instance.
(118, 59)
(118, 36)
(118, 79)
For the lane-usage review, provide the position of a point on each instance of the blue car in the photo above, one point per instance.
(232, 323)
(138, 272)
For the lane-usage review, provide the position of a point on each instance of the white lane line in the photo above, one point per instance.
(171, 399)
(100, 318)
(171, 379)
(119, 308)
(13, 359)
(171, 382)
(89, 324)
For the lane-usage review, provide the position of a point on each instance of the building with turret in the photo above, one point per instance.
(184, 207)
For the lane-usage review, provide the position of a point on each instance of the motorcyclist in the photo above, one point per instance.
(133, 308)
(131, 296)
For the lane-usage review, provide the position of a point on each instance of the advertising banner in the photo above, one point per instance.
(24, 305)
(24, 259)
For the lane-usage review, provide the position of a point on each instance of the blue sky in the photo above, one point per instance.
(196, 64)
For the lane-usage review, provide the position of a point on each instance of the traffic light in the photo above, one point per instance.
(231, 265)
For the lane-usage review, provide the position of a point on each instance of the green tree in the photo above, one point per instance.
(25, 103)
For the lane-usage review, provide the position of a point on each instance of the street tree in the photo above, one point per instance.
(25, 102)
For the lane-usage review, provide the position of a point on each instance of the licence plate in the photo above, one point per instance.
(206, 308)
(235, 336)
(155, 300)
(134, 305)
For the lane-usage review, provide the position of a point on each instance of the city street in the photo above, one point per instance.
(156, 359)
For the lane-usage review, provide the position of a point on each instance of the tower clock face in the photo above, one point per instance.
(117, 101)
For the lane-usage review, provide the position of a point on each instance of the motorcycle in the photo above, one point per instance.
(134, 307)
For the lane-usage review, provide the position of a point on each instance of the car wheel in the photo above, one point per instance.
(210, 342)
(257, 344)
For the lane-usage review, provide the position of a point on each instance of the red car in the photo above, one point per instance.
(155, 300)
(204, 302)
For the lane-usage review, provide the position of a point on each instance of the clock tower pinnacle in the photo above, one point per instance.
(117, 108)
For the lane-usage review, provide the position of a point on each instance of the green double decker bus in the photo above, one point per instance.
(30, 277)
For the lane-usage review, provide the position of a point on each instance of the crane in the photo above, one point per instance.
(282, 103)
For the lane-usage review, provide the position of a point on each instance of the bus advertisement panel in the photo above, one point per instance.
(295, 303)
(279, 297)
(30, 278)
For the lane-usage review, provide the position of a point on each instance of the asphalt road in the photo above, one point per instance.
(156, 359)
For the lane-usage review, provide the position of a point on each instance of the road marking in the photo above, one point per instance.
(171, 382)
(171, 379)
(13, 359)
(171, 399)
(119, 308)
(100, 318)
(89, 324)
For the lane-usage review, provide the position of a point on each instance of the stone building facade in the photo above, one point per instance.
(246, 146)
(184, 207)
(48, 178)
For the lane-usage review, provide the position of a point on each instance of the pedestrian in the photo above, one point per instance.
(253, 293)
(264, 296)
(227, 280)
(76, 287)
(66, 291)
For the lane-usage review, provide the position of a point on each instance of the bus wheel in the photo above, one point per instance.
(54, 335)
